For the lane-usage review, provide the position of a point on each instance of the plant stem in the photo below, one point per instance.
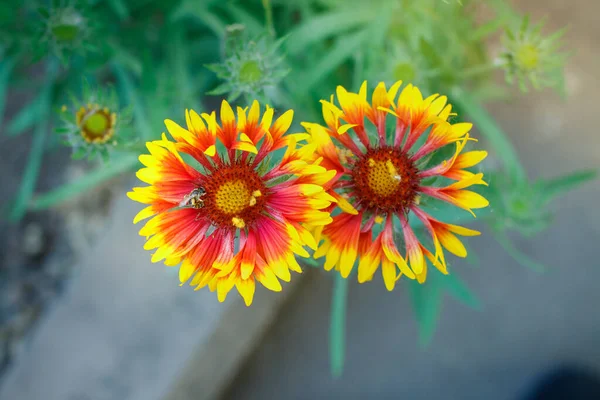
(269, 17)
(337, 330)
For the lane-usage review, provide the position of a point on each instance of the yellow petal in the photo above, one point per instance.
(388, 271)
(246, 288)
(145, 213)
(227, 116)
(268, 279)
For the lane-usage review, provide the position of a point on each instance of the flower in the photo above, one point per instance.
(250, 67)
(530, 57)
(91, 123)
(232, 217)
(381, 179)
(66, 28)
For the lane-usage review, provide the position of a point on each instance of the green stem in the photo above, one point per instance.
(269, 17)
(337, 330)
(492, 132)
(34, 160)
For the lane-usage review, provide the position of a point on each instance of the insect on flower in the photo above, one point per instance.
(194, 198)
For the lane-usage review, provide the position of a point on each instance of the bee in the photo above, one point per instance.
(194, 198)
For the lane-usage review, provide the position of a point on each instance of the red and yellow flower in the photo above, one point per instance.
(381, 177)
(226, 213)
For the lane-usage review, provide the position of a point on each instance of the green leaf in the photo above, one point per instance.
(426, 301)
(6, 67)
(34, 160)
(343, 49)
(79, 153)
(190, 8)
(323, 26)
(337, 330)
(430, 53)
(119, 7)
(458, 289)
(131, 93)
(71, 190)
(516, 254)
(551, 188)
(487, 29)
(27, 117)
(244, 17)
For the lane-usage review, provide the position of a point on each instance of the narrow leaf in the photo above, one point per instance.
(343, 49)
(426, 301)
(551, 188)
(458, 289)
(34, 160)
(323, 26)
(27, 117)
(71, 190)
(139, 113)
(6, 67)
(119, 7)
(516, 254)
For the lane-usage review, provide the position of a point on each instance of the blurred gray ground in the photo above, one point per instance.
(529, 323)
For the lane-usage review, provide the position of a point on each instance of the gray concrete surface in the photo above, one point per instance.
(529, 323)
(123, 330)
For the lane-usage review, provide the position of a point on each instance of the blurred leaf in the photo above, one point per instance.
(490, 27)
(79, 153)
(323, 26)
(242, 16)
(430, 53)
(69, 191)
(427, 300)
(191, 8)
(34, 159)
(119, 7)
(337, 330)
(341, 51)
(27, 117)
(135, 100)
(551, 188)
(459, 290)
(516, 254)
(127, 59)
(6, 67)
(427, 304)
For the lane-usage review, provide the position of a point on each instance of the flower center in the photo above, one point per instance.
(235, 196)
(232, 197)
(96, 124)
(528, 56)
(385, 179)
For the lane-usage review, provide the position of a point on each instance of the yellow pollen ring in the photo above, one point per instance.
(256, 193)
(383, 177)
(233, 197)
(238, 222)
